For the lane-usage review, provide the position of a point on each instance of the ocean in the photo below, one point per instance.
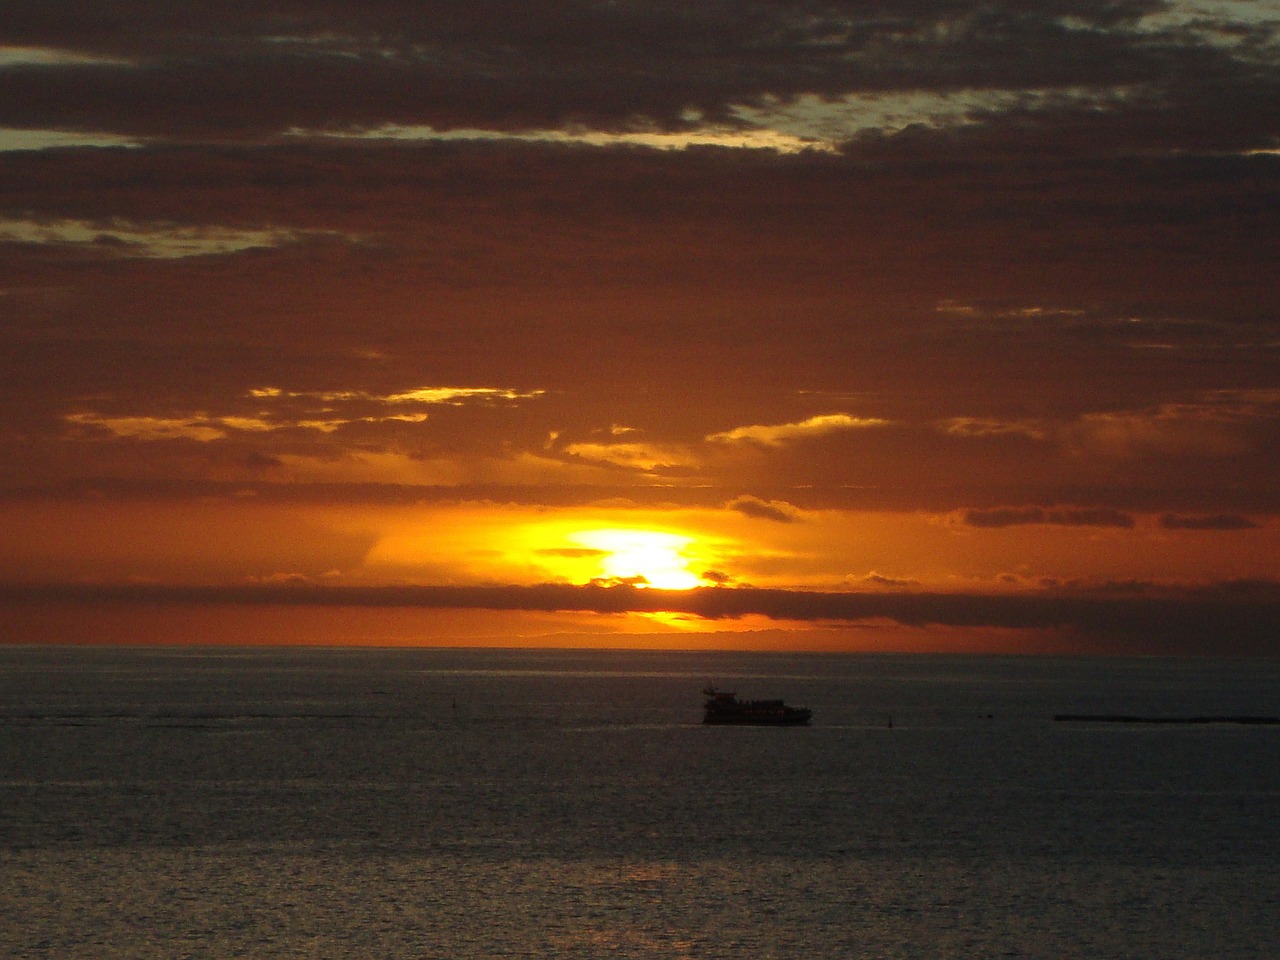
(350, 803)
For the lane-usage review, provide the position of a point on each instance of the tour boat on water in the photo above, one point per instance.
(723, 707)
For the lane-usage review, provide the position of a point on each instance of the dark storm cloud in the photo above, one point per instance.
(1222, 619)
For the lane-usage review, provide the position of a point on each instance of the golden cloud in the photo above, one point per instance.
(633, 456)
(775, 435)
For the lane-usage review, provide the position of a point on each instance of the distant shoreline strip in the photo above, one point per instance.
(1127, 718)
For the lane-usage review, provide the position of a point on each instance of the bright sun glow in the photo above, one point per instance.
(626, 554)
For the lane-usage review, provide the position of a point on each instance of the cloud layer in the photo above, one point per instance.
(1240, 619)
(1009, 266)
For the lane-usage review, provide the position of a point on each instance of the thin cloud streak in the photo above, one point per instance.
(778, 434)
(1066, 517)
(162, 241)
(1217, 521)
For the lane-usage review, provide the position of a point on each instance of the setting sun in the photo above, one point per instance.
(650, 557)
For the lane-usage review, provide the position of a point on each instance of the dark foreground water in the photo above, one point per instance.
(462, 804)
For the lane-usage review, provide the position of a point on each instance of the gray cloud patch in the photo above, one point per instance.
(1060, 516)
(775, 510)
(1217, 521)
(880, 580)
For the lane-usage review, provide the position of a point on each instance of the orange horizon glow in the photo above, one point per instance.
(99, 541)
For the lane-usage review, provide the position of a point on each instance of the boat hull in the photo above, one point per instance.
(725, 709)
(795, 720)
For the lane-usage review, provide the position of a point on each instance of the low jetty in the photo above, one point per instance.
(1128, 718)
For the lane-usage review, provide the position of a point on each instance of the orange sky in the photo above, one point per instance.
(933, 329)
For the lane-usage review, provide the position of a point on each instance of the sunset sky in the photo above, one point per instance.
(901, 325)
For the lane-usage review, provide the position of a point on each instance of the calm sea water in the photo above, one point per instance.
(466, 804)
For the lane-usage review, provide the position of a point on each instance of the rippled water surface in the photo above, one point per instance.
(464, 804)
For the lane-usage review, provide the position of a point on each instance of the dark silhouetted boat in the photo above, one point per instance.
(725, 708)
